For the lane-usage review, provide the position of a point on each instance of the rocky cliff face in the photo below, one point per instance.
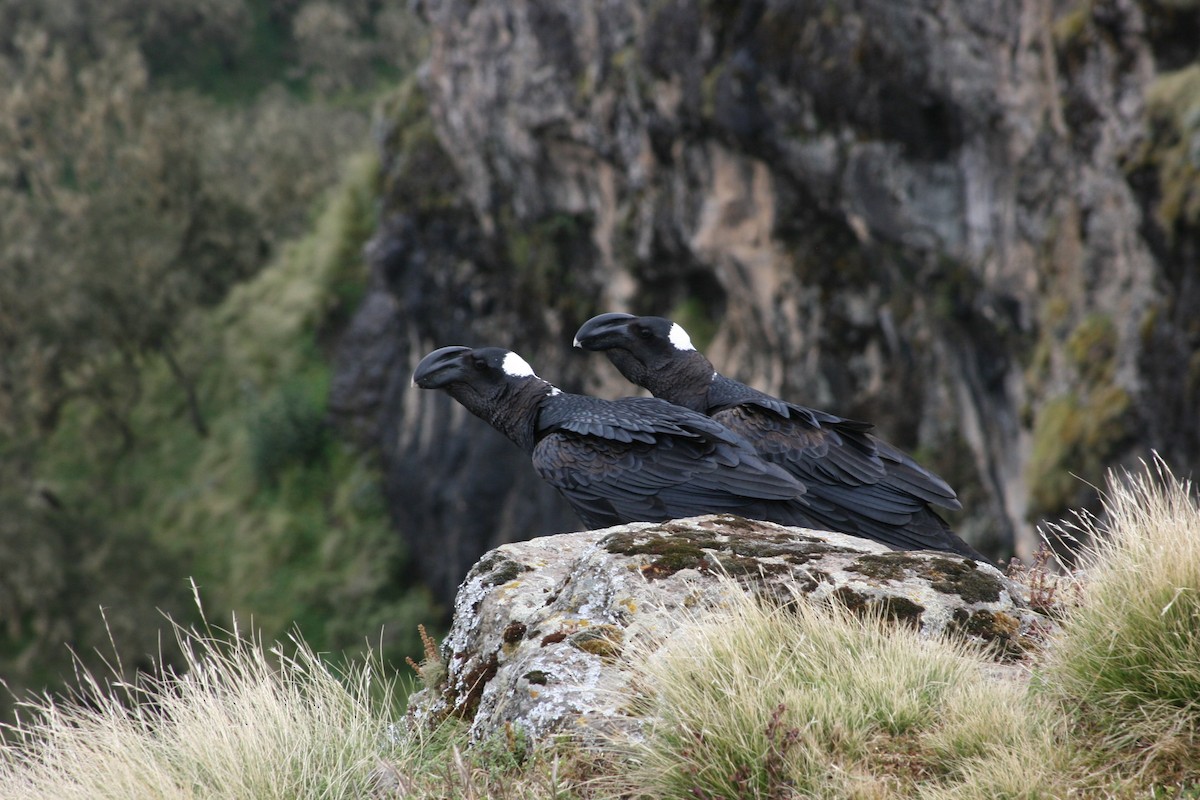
(972, 224)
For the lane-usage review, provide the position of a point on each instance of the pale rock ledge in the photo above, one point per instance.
(540, 626)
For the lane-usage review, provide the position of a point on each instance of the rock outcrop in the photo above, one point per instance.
(541, 627)
(975, 225)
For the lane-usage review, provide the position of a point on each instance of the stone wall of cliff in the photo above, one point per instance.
(975, 225)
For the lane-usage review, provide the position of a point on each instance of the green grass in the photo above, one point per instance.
(1127, 661)
(440, 765)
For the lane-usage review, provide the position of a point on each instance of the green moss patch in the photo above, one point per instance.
(996, 627)
(420, 177)
(736, 565)
(1074, 436)
(1092, 348)
(1173, 103)
(955, 576)
(679, 547)
(498, 569)
(536, 677)
(605, 641)
(671, 553)
(896, 609)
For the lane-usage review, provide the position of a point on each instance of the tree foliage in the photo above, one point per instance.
(153, 156)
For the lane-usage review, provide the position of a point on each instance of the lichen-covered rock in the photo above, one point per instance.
(540, 627)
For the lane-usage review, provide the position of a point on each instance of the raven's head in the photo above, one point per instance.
(653, 352)
(492, 383)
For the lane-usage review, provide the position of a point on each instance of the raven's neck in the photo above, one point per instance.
(514, 411)
(684, 381)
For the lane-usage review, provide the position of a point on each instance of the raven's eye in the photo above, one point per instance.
(480, 364)
(645, 332)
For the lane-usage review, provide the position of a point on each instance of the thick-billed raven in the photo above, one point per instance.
(856, 483)
(616, 461)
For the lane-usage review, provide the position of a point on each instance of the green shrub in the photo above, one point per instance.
(290, 428)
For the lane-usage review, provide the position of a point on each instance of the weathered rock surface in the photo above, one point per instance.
(974, 224)
(540, 627)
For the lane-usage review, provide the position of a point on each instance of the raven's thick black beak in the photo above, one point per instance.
(603, 332)
(442, 366)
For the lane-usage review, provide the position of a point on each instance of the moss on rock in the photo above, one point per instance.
(605, 641)
(896, 609)
(672, 552)
(496, 569)
(957, 576)
(1092, 348)
(419, 175)
(463, 698)
(738, 546)
(998, 628)
(536, 677)
(1173, 104)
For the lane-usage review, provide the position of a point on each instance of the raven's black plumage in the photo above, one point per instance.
(616, 461)
(856, 483)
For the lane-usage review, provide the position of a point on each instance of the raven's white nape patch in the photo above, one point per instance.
(516, 366)
(679, 338)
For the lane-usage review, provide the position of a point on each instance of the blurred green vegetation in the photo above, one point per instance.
(1169, 152)
(1077, 431)
(181, 223)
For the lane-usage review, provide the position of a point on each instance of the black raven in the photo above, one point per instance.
(857, 483)
(638, 459)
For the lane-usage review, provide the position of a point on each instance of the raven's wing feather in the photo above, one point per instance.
(830, 449)
(856, 482)
(689, 465)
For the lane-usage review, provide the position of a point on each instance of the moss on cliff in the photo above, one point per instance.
(1092, 348)
(547, 255)
(1072, 27)
(1173, 103)
(418, 175)
(1085, 417)
(698, 318)
(1075, 435)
